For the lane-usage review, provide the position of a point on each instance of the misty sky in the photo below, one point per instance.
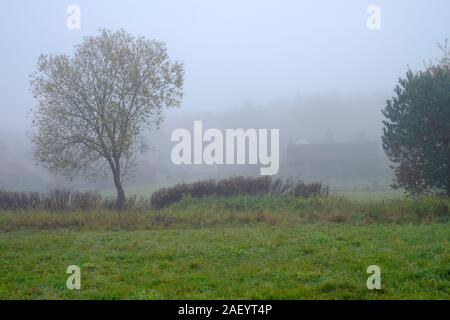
(234, 51)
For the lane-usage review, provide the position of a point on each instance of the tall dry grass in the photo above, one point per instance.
(61, 200)
(238, 210)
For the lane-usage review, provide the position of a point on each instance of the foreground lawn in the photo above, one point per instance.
(258, 261)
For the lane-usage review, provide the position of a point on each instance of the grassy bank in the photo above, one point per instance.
(237, 210)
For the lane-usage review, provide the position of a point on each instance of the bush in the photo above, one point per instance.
(53, 201)
(237, 186)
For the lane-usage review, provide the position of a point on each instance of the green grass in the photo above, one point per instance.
(242, 247)
(256, 262)
(378, 195)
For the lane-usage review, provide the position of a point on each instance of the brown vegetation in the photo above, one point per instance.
(237, 186)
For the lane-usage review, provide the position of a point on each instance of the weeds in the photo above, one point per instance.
(62, 200)
(236, 210)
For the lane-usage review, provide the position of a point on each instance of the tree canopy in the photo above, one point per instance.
(416, 134)
(94, 106)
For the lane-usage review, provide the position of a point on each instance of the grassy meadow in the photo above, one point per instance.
(242, 247)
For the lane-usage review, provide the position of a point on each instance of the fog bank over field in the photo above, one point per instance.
(312, 119)
(312, 69)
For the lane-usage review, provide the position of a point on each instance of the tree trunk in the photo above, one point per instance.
(121, 199)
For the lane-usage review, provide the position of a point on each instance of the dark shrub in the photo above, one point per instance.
(237, 186)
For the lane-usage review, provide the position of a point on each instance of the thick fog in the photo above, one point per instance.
(313, 69)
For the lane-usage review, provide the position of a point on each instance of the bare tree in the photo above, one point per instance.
(94, 106)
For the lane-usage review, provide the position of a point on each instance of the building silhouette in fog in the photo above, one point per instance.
(336, 161)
